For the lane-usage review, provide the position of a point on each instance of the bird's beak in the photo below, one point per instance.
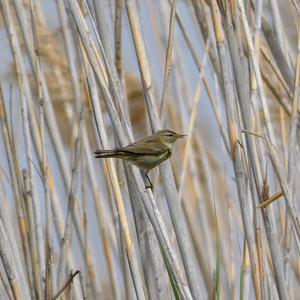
(180, 136)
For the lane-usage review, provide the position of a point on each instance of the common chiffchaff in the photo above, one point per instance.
(147, 153)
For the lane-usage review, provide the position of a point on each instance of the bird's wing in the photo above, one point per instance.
(143, 148)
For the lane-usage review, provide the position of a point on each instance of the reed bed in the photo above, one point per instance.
(222, 219)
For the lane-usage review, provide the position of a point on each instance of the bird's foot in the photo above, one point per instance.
(149, 186)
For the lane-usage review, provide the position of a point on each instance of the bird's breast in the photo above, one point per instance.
(169, 153)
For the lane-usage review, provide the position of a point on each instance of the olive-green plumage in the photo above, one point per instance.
(146, 153)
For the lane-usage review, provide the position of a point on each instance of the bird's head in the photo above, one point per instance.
(169, 137)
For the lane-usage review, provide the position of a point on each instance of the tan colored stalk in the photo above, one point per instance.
(192, 124)
(48, 292)
(118, 35)
(125, 229)
(236, 154)
(169, 59)
(180, 227)
(25, 99)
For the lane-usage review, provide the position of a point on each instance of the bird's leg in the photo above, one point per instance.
(149, 185)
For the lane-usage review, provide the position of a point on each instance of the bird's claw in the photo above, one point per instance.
(149, 186)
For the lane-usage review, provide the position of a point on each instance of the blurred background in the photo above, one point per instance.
(77, 76)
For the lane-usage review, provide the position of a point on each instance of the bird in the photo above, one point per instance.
(146, 153)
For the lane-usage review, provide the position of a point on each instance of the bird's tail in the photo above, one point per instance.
(107, 153)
